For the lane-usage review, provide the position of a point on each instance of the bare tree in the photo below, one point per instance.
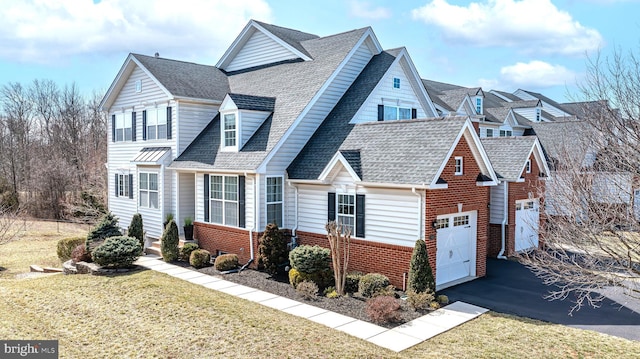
(592, 234)
(339, 243)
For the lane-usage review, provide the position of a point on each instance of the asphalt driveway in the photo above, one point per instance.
(511, 288)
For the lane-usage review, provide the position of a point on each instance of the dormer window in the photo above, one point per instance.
(479, 105)
(229, 137)
(538, 114)
(527, 167)
(396, 83)
(506, 133)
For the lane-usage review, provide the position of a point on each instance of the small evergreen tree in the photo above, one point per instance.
(169, 242)
(135, 228)
(108, 227)
(420, 274)
(273, 249)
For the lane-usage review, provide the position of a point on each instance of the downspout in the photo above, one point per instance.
(504, 222)
(420, 230)
(294, 229)
(255, 180)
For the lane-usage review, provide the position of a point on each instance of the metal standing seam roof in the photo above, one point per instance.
(293, 84)
(508, 155)
(151, 154)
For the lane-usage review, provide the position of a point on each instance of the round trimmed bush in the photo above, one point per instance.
(136, 228)
(226, 262)
(372, 283)
(322, 279)
(66, 246)
(310, 259)
(169, 242)
(200, 258)
(117, 252)
(185, 251)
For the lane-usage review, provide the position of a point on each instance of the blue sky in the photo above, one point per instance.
(538, 45)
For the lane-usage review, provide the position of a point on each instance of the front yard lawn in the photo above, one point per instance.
(151, 315)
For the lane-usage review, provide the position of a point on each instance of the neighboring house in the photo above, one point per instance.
(515, 215)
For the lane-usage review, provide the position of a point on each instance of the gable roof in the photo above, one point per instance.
(178, 79)
(508, 155)
(294, 85)
(567, 141)
(290, 36)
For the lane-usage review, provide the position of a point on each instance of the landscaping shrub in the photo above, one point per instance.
(322, 279)
(135, 229)
(117, 252)
(308, 290)
(330, 292)
(372, 284)
(226, 262)
(420, 273)
(383, 309)
(310, 259)
(107, 227)
(419, 301)
(272, 249)
(169, 242)
(185, 251)
(66, 246)
(443, 299)
(434, 305)
(80, 254)
(352, 282)
(200, 258)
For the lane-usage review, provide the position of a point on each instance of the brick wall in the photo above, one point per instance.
(461, 189)
(216, 238)
(368, 257)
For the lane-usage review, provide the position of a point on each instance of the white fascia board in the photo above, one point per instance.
(338, 158)
(234, 48)
(227, 104)
(466, 109)
(155, 80)
(393, 185)
(300, 181)
(438, 186)
(197, 100)
(282, 42)
(303, 114)
(416, 77)
(540, 158)
(487, 183)
(117, 84)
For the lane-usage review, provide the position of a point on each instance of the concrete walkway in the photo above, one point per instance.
(396, 339)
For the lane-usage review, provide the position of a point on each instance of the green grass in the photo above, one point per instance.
(146, 314)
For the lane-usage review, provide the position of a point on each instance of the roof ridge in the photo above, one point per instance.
(285, 28)
(168, 59)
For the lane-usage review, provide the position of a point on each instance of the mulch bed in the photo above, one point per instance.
(351, 305)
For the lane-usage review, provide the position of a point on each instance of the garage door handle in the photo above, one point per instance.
(467, 261)
(467, 227)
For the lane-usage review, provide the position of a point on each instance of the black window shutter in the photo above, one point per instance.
(116, 185)
(130, 186)
(133, 126)
(144, 125)
(241, 202)
(206, 198)
(360, 215)
(113, 128)
(414, 113)
(169, 128)
(380, 112)
(331, 208)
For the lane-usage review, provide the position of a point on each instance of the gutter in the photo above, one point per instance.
(504, 222)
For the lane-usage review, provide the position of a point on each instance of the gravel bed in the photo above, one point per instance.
(352, 305)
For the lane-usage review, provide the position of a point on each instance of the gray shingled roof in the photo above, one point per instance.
(186, 79)
(566, 141)
(293, 85)
(290, 36)
(508, 95)
(256, 103)
(439, 86)
(496, 114)
(521, 104)
(508, 155)
(492, 101)
(546, 99)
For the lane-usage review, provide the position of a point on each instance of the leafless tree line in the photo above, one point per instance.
(52, 151)
(592, 235)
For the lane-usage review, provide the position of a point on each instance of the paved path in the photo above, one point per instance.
(396, 339)
(512, 288)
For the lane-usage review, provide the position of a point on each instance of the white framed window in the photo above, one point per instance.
(479, 105)
(506, 133)
(458, 166)
(396, 83)
(123, 127)
(274, 200)
(527, 166)
(123, 185)
(460, 221)
(223, 200)
(442, 223)
(489, 132)
(156, 123)
(396, 113)
(148, 189)
(346, 212)
(138, 85)
(538, 114)
(229, 137)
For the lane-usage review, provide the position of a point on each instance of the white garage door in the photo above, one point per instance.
(527, 222)
(456, 247)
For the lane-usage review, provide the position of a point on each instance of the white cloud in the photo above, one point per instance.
(45, 31)
(365, 10)
(532, 75)
(532, 26)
